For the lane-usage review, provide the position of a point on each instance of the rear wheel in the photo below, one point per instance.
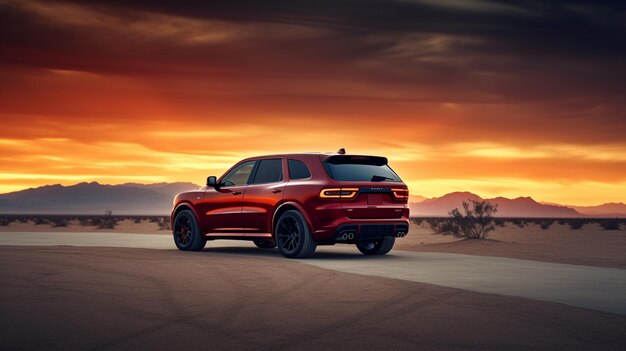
(187, 236)
(264, 244)
(293, 237)
(376, 247)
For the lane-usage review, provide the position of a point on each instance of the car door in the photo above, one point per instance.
(262, 196)
(222, 205)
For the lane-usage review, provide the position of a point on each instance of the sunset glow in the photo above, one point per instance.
(95, 91)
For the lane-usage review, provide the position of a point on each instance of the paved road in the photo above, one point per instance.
(243, 298)
(597, 288)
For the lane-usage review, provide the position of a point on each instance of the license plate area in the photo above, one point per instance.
(375, 199)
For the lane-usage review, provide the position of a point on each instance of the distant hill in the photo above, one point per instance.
(416, 198)
(156, 199)
(94, 198)
(519, 207)
(612, 209)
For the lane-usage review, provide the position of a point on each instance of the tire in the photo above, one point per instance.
(376, 247)
(264, 244)
(293, 236)
(186, 231)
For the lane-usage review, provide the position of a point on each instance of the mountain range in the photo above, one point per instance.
(94, 198)
(156, 199)
(518, 207)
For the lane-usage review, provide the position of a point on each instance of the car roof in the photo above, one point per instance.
(323, 155)
(295, 154)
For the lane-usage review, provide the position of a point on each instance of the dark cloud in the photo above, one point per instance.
(562, 57)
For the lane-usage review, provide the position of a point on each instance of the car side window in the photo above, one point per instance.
(269, 171)
(239, 175)
(298, 170)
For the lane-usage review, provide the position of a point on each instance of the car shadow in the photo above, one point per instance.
(273, 253)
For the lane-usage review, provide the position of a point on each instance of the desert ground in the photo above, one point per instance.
(590, 245)
(64, 298)
(240, 297)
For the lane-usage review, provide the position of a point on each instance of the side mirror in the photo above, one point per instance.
(211, 181)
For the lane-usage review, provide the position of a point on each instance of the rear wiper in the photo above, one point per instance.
(377, 178)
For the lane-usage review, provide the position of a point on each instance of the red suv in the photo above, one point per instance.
(296, 202)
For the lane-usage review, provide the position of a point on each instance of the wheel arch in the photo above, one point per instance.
(286, 206)
(181, 207)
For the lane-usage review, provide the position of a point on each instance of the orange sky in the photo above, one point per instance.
(94, 91)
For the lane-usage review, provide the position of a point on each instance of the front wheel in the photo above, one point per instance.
(293, 237)
(187, 236)
(376, 247)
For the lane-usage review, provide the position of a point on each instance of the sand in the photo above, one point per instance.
(123, 226)
(105, 298)
(591, 245)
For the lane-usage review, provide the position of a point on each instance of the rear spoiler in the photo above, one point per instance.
(357, 159)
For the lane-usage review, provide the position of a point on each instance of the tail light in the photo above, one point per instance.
(339, 193)
(400, 193)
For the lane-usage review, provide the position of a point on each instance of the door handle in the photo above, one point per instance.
(276, 191)
(236, 192)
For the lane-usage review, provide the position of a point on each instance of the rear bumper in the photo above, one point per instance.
(349, 233)
(366, 229)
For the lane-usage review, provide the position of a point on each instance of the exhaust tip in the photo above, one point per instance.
(350, 236)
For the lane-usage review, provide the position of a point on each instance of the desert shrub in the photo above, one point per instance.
(137, 220)
(164, 224)
(610, 224)
(562, 221)
(520, 222)
(40, 221)
(107, 221)
(433, 223)
(417, 221)
(546, 223)
(475, 221)
(446, 226)
(154, 220)
(500, 222)
(577, 223)
(5, 221)
(58, 222)
(85, 221)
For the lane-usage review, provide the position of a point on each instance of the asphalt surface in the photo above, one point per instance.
(243, 298)
(597, 288)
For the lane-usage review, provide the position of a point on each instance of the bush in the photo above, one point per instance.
(545, 224)
(40, 221)
(520, 222)
(107, 221)
(417, 221)
(500, 222)
(59, 222)
(577, 223)
(5, 221)
(434, 223)
(85, 221)
(164, 223)
(610, 224)
(475, 222)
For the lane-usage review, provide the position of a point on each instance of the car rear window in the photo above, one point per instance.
(298, 170)
(360, 168)
(269, 171)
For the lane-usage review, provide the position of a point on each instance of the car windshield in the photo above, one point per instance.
(360, 168)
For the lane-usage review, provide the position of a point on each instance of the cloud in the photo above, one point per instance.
(515, 87)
